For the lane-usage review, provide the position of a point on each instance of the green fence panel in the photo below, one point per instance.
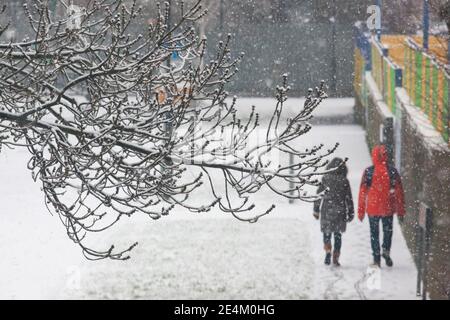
(427, 82)
(434, 100)
(445, 118)
(385, 79)
(418, 97)
(393, 84)
(413, 75)
(427, 85)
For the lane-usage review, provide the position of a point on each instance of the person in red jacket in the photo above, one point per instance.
(381, 196)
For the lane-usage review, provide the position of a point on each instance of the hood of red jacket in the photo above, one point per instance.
(379, 156)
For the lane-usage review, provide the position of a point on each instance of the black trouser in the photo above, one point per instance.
(337, 240)
(387, 223)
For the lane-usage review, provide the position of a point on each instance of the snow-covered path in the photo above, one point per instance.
(186, 256)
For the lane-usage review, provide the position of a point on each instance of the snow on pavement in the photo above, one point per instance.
(192, 256)
(36, 254)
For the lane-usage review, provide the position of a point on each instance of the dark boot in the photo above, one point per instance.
(377, 261)
(387, 259)
(327, 248)
(336, 258)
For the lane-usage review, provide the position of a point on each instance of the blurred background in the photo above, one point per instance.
(309, 39)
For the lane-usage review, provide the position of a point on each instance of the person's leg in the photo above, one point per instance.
(327, 247)
(374, 223)
(337, 241)
(388, 223)
(327, 239)
(337, 248)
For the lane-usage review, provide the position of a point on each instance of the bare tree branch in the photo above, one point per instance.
(114, 129)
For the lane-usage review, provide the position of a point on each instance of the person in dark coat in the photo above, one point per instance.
(335, 209)
(381, 196)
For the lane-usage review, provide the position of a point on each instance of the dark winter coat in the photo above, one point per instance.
(336, 206)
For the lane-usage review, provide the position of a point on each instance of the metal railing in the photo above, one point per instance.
(427, 81)
(386, 73)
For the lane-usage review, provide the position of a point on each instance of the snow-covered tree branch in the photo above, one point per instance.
(119, 123)
(442, 9)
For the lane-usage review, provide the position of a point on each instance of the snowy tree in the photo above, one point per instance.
(119, 123)
(442, 9)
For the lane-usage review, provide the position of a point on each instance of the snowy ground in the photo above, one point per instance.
(187, 256)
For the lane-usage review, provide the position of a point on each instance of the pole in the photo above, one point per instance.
(169, 23)
(427, 243)
(423, 249)
(333, 85)
(282, 11)
(221, 16)
(419, 252)
(426, 24)
(291, 183)
(426, 253)
(380, 6)
(169, 114)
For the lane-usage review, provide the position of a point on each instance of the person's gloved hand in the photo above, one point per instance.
(316, 215)
(349, 218)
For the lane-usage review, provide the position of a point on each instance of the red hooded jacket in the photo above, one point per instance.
(381, 191)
